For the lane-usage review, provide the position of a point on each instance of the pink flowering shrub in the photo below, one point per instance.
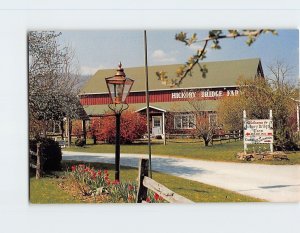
(97, 182)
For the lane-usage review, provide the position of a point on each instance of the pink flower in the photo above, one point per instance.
(107, 180)
(116, 182)
(148, 199)
(93, 174)
(73, 168)
(156, 196)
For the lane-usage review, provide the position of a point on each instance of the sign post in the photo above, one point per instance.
(258, 131)
(244, 125)
(271, 126)
(297, 110)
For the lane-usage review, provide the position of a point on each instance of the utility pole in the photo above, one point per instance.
(147, 103)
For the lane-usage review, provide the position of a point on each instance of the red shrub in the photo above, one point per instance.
(77, 128)
(133, 126)
(95, 127)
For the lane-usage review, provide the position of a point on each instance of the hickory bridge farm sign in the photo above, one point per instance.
(258, 131)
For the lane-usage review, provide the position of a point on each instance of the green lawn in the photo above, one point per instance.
(186, 149)
(46, 190)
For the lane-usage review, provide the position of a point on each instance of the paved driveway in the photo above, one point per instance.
(277, 183)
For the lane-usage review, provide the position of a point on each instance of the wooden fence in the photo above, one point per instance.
(39, 163)
(146, 183)
(227, 137)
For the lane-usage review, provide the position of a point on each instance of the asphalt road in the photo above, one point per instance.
(276, 183)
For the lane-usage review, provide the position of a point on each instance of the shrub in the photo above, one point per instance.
(95, 126)
(51, 153)
(77, 128)
(133, 126)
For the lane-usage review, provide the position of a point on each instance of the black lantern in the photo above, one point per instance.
(119, 86)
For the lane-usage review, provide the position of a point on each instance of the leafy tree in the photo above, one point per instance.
(213, 39)
(133, 126)
(257, 97)
(52, 80)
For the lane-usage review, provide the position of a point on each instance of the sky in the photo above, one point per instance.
(104, 49)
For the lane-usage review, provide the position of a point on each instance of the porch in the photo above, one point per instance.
(157, 121)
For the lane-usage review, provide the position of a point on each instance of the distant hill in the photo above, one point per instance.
(82, 80)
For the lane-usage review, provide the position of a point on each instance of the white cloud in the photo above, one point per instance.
(160, 56)
(88, 70)
(195, 47)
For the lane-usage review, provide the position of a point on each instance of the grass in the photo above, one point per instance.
(225, 152)
(47, 190)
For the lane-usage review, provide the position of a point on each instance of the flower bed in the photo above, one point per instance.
(97, 184)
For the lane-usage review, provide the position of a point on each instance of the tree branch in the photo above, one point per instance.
(214, 37)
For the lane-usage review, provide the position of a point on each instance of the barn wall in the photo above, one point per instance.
(162, 96)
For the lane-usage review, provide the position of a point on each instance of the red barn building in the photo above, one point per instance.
(170, 106)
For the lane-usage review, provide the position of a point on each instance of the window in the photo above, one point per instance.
(177, 124)
(212, 119)
(184, 121)
(156, 121)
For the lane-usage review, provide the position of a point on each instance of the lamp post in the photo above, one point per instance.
(119, 87)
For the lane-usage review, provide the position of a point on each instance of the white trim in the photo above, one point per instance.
(170, 89)
(159, 109)
(160, 125)
(160, 121)
(163, 124)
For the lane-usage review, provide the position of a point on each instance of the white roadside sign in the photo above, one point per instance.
(258, 131)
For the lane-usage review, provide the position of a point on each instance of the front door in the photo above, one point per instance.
(157, 125)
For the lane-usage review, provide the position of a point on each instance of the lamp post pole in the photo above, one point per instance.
(117, 147)
(119, 87)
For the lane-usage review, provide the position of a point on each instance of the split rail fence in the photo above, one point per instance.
(145, 183)
(227, 137)
(39, 162)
